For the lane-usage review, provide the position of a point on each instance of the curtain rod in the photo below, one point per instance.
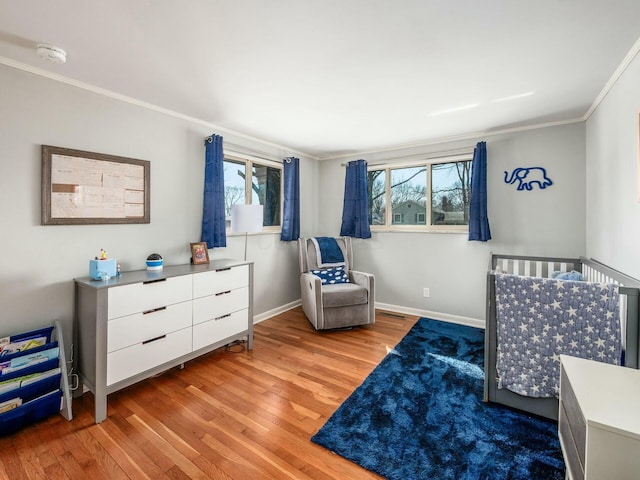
(368, 164)
(239, 149)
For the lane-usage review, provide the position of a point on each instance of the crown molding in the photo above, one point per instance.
(614, 79)
(149, 106)
(454, 138)
(392, 148)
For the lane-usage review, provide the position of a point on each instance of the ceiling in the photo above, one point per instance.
(333, 77)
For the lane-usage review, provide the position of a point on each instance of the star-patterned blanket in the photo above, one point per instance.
(538, 319)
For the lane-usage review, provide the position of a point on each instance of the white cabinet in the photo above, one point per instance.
(141, 323)
(598, 421)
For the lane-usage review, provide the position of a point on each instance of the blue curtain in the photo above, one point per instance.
(478, 220)
(355, 213)
(291, 206)
(213, 220)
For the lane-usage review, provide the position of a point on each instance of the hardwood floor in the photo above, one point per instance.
(227, 415)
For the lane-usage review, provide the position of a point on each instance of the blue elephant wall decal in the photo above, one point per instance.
(527, 177)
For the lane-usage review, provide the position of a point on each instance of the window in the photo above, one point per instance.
(262, 187)
(432, 195)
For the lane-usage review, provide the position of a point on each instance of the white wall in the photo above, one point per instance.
(39, 263)
(539, 222)
(613, 210)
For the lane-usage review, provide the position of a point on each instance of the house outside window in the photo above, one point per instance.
(262, 187)
(429, 195)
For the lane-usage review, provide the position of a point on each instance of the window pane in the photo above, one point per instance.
(234, 187)
(450, 187)
(265, 185)
(376, 184)
(409, 195)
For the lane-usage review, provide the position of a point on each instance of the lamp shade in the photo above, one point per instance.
(246, 218)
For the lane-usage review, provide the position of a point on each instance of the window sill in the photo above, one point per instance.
(265, 231)
(416, 230)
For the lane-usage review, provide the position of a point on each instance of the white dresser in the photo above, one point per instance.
(143, 322)
(599, 420)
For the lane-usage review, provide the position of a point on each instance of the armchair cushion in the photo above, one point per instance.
(331, 276)
(344, 295)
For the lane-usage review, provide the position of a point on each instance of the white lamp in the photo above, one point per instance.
(247, 219)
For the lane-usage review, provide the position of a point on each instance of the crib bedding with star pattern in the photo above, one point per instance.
(539, 319)
(532, 318)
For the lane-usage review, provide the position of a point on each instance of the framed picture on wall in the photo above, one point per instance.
(81, 188)
(199, 253)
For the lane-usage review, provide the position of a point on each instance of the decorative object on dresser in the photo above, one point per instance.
(154, 262)
(141, 323)
(599, 425)
(101, 268)
(199, 253)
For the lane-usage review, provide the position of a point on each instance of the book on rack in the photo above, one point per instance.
(10, 404)
(8, 347)
(28, 360)
(36, 377)
(15, 383)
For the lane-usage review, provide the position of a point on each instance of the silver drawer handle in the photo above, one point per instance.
(159, 309)
(223, 316)
(154, 339)
(223, 293)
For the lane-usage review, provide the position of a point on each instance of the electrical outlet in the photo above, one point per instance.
(425, 292)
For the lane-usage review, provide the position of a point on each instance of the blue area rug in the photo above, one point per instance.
(420, 415)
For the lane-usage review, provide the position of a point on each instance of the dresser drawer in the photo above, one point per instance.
(140, 297)
(136, 328)
(214, 306)
(574, 417)
(127, 362)
(575, 468)
(206, 333)
(208, 283)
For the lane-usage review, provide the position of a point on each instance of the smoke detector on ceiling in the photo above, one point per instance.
(52, 53)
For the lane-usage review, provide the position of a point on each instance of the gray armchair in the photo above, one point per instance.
(338, 305)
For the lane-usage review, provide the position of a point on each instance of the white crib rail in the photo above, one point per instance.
(533, 267)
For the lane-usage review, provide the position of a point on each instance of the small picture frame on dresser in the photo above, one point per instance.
(199, 253)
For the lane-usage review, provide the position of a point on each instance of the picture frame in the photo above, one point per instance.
(84, 188)
(199, 253)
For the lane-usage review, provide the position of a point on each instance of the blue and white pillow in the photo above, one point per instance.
(330, 276)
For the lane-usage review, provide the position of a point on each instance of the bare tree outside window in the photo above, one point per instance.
(450, 184)
(263, 187)
(376, 185)
(450, 188)
(408, 195)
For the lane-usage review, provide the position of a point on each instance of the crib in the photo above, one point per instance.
(534, 269)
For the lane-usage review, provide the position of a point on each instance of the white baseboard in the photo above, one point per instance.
(445, 317)
(276, 311)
